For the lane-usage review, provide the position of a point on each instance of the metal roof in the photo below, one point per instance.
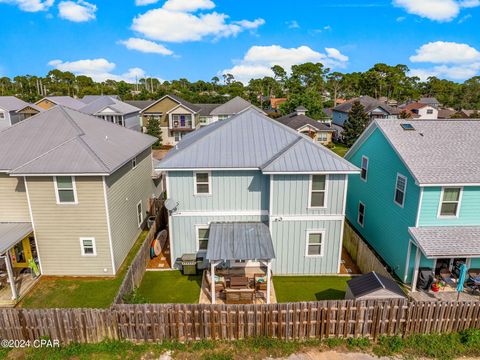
(11, 233)
(251, 140)
(369, 283)
(239, 241)
(447, 241)
(12, 103)
(102, 102)
(87, 99)
(66, 101)
(141, 104)
(233, 106)
(65, 141)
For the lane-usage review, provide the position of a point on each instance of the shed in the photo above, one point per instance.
(373, 286)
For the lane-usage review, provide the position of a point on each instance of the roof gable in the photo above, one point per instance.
(233, 106)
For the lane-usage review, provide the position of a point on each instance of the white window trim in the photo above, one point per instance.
(322, 244)
(141, 214)
(134, 163)
(310, 185)
(366, 169)
(460, 197)
(358, 214)
(404, 191)
(93, 244)
(209, 173)
(199, 227)
(74, 186)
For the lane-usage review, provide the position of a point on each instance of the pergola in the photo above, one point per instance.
(240, 241)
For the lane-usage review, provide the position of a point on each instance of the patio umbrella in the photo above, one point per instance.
(461, 279)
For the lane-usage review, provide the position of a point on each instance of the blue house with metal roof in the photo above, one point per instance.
(252, 169)
(417, 199)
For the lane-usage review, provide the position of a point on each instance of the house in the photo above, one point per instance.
(373, 286)
(430, 101)
(230, 108)
(251, 169)
(447, 113)
(421, 111)
(73, 196)
(375, 110)
(113, 110)
(298, 121)
(417, 200)
(468, 114)
(66, 101)
(14, 110)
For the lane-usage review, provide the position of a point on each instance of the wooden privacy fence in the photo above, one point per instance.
(289, 321)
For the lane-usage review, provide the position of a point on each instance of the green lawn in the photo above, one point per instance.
(71, 292)
(340, 149)
(310, 288)
(161, 287)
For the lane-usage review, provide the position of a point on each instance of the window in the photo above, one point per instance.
(88, 247)
(202, 237)
(363, 174)
(202, 183)
(139, 214)
(134, 163)
(400, 189)
(2, 115)
(318, 184)
(429, 111)
(182, 120)
(178, 136)
(361, 213)
(223, 117)
(315, 243)
(450, 201)
(322, 136)
(65, 190)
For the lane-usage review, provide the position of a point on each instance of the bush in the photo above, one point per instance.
(358, 343)
(134, 298)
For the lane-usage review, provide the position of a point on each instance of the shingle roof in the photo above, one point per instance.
(435, 241)
(206, 109)
(296, 122)
(65, 141)
(369, 283)
(11, 233)
(233, 106)
(183, 102)
(141, 104)
(102, 102)
(445, 113)
(12, 103)
(252, 140)
(368, 103)
(66, 101)
(428, 100)
(429, 156)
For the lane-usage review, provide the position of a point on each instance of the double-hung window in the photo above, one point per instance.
(450, 201)
(361, 214)
(400, 190)
(139, 214)
(65, 190)
(364, 173)
(322, 136)
(202, 183)
(318, 191)
(315, 243)
(202, 237)
(88, 246)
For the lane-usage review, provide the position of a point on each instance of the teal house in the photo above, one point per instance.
(249, 169)
(417, 199)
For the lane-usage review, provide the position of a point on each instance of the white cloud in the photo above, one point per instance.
(176, 21)
(145, 46)
(98, 69)
(293, 24)
(79, 11)
(259, 59)
(145, 2)
(30, 5)
(401, 18)
(437, 10)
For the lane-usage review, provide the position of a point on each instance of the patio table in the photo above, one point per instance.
(238, 282)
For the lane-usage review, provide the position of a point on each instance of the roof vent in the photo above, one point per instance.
(406, 126)
(301, 110)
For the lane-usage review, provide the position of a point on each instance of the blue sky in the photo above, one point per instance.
(198, 39)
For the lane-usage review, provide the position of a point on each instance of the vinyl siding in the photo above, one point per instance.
(125, 189)
(161, 107)
(132, 121)
(58, 228)
(13, 199)
(386, 223)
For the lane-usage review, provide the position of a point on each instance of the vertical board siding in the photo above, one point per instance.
(386, 223)
(290, 242)
(125, 188)
(13, 199)
(291, 195)
(58, 228)
(231, 191)
(469, 208)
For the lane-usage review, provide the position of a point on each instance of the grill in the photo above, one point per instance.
(189, 264)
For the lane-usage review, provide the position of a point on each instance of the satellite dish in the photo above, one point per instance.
(170, 204)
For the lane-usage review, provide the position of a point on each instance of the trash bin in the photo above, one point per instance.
(189, 264)
(150, 221)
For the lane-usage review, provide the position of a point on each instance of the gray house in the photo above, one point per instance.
(252, 169)
(14, 110)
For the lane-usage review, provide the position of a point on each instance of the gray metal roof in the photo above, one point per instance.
(141, 104)
(87, 99)
(11, 233)
(437, 151)
(239, 241)
(233, 106)
(447, 241)
(12, 103)
(371, 282)
(102, 102)
(296, 122)
(65, 141)
(66, 101)
(252, 140)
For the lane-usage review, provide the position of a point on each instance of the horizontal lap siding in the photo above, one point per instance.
(13, 200)
(290, 241)
(58, 228)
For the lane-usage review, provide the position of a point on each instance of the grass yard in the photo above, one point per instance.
(74, 292)
(340, 149)
(161, 287)
(310, 288)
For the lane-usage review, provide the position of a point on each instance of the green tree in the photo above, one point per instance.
(153, 129)
(357, 122)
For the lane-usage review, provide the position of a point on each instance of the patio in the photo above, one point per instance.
(23, 283)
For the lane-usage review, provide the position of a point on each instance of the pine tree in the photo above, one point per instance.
(357, 122)
(153, 129)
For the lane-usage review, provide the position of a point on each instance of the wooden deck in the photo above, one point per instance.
(24, 283)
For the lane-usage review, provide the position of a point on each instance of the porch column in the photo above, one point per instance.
(415, 270)
(269, 286)
(212, 282)
(11, 278)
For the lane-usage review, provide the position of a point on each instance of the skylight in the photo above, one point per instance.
(406, 126)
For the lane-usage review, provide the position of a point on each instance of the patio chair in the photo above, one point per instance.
(260, 281)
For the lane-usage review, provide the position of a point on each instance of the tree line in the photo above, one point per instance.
(310, 84)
